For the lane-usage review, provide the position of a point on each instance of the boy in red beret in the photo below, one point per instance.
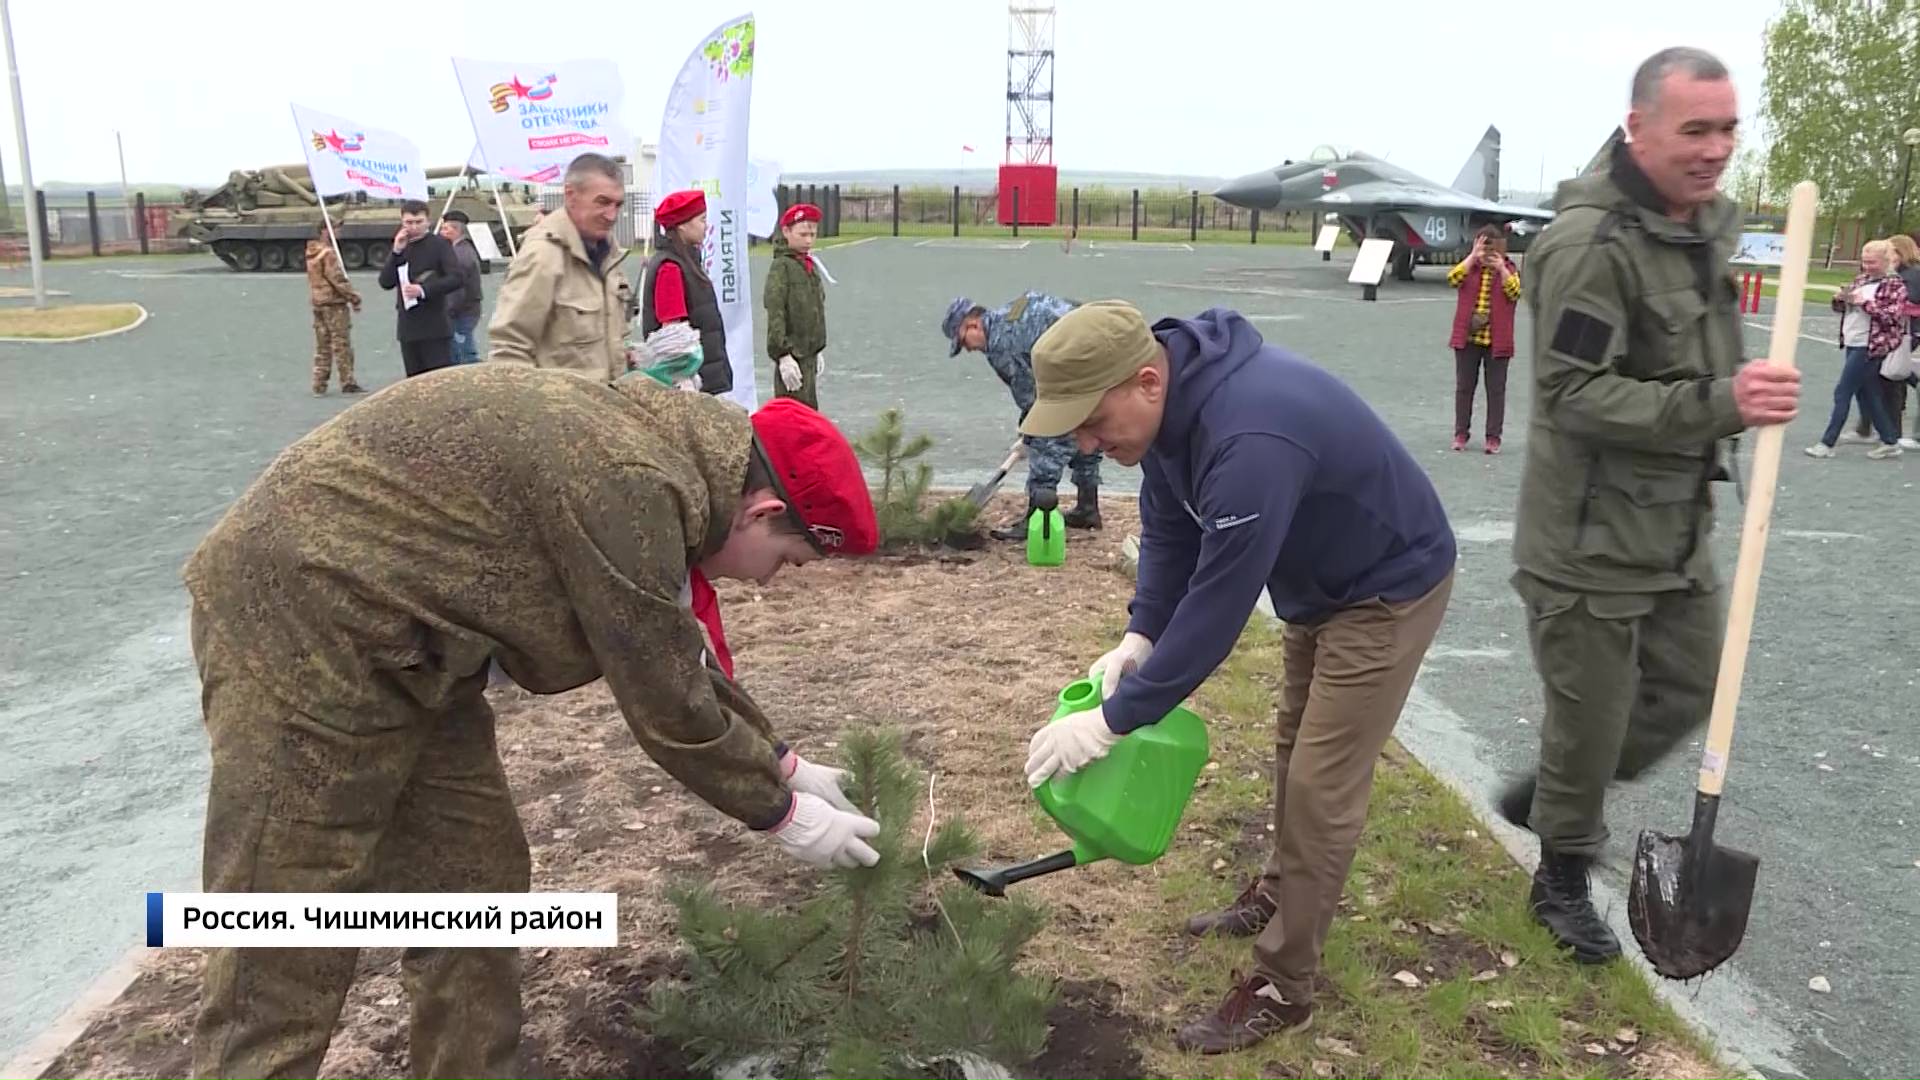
(796, 302)
(345, 613)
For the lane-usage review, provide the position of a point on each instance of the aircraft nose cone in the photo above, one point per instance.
(1254, 191)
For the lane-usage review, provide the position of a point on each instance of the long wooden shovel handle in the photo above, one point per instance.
(1759, 509)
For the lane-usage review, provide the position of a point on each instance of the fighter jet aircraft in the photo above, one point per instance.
(1428, 222)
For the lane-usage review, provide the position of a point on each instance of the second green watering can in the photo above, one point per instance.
(1124, 806)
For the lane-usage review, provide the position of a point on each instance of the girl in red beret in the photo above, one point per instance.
(677, 288)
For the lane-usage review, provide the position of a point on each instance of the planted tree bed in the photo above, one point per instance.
(963, 652)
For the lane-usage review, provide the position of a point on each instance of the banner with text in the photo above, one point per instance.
(703, 144)
(345, 157)
(381, 920)
(533, 118)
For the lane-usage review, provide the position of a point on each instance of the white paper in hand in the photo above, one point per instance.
(404, 298)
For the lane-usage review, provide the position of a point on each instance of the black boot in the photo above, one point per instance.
(1086, 510)
(1516, 802)
(1015, 530)
(1560, 902)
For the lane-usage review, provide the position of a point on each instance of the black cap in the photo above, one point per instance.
(456, 215)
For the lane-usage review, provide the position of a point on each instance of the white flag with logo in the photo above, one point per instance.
(532, 118)
(344, 157)
(703, 144)
(763, 202)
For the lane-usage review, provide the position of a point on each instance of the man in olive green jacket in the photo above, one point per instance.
(564, 303)
(1637, 377)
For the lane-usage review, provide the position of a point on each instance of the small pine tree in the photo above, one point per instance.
(892, 968)
(903, 488)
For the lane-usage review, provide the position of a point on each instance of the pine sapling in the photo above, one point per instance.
(887, 971)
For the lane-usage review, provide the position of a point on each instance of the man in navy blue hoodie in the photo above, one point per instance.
(1261, 471)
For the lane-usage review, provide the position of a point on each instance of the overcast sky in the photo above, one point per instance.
(1209, 87)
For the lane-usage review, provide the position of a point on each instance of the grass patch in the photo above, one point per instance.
(66, 321)
(1428, 894)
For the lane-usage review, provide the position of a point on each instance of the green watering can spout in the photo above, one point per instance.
(995, 882)
(1125, 806)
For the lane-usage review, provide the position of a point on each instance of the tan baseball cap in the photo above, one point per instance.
(1087, 352)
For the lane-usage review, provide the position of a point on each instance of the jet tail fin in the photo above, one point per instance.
(1603, 158)
(1480, 176)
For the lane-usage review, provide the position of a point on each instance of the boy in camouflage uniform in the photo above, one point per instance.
(330, 293)
(796, 304)
(345, 614)
(1007, 336)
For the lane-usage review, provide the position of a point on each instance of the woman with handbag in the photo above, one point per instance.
(1873, 326)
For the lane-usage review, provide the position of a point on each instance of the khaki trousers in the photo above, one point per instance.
(1346, 680)
(1627, 677)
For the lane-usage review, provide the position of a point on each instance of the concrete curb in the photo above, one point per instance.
(134, 325)
(40, 1052)
(1525, 852)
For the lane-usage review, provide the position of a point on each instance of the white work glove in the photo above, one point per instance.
(1068, 745)
(1125, 659)
(822, 780)
(789, 373)
(820, 365)
(816, 833)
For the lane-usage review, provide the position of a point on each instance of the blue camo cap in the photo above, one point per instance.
(950, 326)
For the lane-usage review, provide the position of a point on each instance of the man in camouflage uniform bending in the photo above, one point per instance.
(347, 608)
(1007, 335)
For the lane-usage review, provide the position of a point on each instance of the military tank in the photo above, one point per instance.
(262, 219)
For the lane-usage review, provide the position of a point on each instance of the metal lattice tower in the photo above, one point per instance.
(1029, 85)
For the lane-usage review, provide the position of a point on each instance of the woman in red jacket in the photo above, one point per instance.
(1489, 286)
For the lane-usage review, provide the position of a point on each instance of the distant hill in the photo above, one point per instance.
(986, 179)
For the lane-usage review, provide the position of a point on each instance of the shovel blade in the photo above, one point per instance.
(1689, 900)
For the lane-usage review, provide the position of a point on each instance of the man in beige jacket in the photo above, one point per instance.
(564, 304)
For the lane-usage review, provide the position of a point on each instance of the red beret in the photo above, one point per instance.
(798, 213)
(819, 476)
(680, 208)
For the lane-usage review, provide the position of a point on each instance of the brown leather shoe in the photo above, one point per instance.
(1245, 917)
(1254, 1010)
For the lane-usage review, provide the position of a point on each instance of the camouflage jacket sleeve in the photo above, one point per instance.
(1581, 340)
(775, 302)
(337, 277)
(1016, 371)
(622, 562)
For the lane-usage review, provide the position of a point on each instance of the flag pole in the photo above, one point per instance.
(331, 238)
(505, 225)
(467, 172)
(313, 175)
(36, 225)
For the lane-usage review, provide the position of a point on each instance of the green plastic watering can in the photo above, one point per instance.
(1125, 806)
